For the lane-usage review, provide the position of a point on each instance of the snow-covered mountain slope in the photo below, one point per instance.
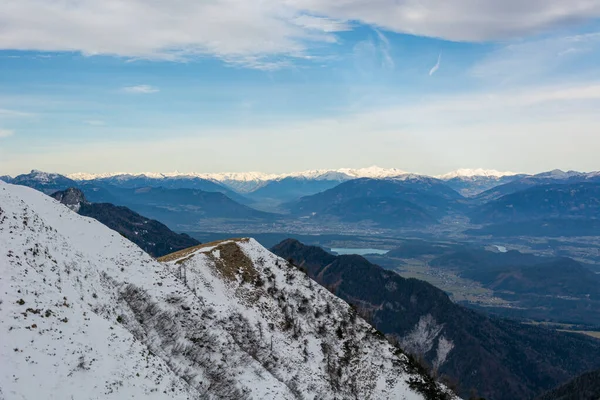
(85, 314)
(44, 181)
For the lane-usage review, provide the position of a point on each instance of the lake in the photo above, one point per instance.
(360, 252)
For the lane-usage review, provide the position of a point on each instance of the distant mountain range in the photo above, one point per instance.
(321, 174)
(474, 185)
(285, 187)
(248, 187)
(152, 236)
(172, 182)
(569, 200)
(542, 204)
(502, 360)
(173, 206)
(546, 178)
(406, 201)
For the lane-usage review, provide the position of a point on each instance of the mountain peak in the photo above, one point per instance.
(333, 174)
(558, 174)
(479, 172)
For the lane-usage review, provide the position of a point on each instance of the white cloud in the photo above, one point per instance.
(6, 133)
(459, 20)
(436, 66)
(248, 33)
(322, 24)
(141, 89)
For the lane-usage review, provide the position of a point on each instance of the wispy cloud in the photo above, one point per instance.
(141, 89)
(384, 48)
(322, 24)
(373, 55)
(6, 133)
(238, 29)
(436, 66)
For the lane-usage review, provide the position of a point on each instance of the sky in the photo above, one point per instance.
(425, 86)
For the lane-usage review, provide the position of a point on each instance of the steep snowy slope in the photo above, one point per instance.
(85, 314)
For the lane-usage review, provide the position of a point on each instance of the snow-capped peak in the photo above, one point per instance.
(374, 172)
(318, 174)
(42, 176)
(479, 172)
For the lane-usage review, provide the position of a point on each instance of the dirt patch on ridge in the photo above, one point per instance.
(233, 262)
(183, 254)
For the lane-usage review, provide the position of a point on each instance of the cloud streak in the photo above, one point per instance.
(436, 66)
(141, 89)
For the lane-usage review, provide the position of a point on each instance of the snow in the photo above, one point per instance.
(479, 172)
(54, 343)
(85, 314)
(322, 174)
(250, 181)
(341, 174)
(424, 336)
(43, 177)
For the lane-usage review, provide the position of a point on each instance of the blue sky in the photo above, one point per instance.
(300, 84)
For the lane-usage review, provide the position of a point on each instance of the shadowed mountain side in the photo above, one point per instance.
(580, 200)
(291, 188)
(499, 358)
(411, 201)
(182, 182)
(584, 387)
(150, 235)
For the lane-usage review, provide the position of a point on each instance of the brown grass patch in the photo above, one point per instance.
(179, 255)
(233, 262)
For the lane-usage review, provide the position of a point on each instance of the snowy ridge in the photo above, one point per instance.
(322, 174)
(479, 172)
(42, 176)
(86, 314)
(341, 174)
